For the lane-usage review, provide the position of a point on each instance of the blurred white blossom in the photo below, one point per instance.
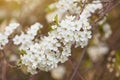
(58, 73)
(107, 30)
(97, 52)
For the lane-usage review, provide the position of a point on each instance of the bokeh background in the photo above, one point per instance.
(99, 63)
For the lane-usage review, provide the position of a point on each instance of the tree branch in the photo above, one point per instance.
(79, 62)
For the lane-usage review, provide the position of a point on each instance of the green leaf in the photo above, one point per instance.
(50, 28)
(49, 9)
(22, 52)
(19, 62)
(56, 20)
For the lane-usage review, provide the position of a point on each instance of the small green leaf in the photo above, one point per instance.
(22, 52)
(49, 9)
(19, 62)
(56, 20)
(50, 28)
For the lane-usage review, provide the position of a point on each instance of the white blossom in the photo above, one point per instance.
(64, 7)
(3, 40)
(58, 73)
(55, 48)
(98, 51)
(10, 28)
(27, 38)
(8, 31)
(107, 30)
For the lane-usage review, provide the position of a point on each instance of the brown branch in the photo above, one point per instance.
(73, 66)
(79, 62)
(108, 9)
(7, 62)
(4, 67)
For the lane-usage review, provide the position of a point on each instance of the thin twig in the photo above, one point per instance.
(79, 62)
(4, 67)
(109, 8)
(7, 62)
(106, 11)
(73, 66)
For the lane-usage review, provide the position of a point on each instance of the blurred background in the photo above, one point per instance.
(102, 58)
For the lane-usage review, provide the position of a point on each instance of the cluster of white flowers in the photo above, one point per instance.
(73, 31)
(64, 7)
(48, 51)
(8, 31)
(68, 5)
(26, 39)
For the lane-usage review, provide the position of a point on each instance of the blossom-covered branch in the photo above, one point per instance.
(72, 27)
(48, 51)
